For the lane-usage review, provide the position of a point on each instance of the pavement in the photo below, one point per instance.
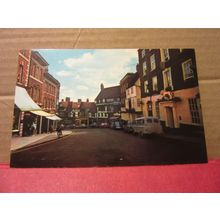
(107, 147)
(18, 142)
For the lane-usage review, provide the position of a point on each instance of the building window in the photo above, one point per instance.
(146, 89)
(149, 108)
(167, 79)
(187, 69)
(166, 54)
(144, 68)
(157, 108)
(143, 53)
(103, 100)
(194, 110)
(132, 90)
(20, 73)
(154, 82)
(152, 62)
(106, 109)
(138, 103)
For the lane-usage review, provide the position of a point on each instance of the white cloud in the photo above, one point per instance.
(82, 87)
(87, 72)
(64, 73)
(102, 66)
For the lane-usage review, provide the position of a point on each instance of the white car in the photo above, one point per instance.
(149, 125)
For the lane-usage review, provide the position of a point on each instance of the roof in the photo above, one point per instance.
(39, 58)
(75, 105)
(88, 105)
(126, 76)
(52, 79)
(110, 92)
(134, 79)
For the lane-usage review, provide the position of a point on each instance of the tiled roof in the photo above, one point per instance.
(75, 105)
(86, 105)
(110, 92)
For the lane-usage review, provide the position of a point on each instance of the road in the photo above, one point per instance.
(106, 147)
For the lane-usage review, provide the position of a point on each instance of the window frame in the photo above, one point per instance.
(165, 76)
(144, 68)
(152, 62)
(155, 78)
(184, 70)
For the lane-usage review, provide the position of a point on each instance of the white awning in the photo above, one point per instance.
(23, 101)
(41, 113)
(54, 118)
(26, 104)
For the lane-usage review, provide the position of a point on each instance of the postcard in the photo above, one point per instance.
(107, 107)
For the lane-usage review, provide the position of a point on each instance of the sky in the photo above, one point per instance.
(81, 71)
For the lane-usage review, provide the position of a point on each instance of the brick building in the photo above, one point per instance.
(50, 97)
(38, 70)
(35, 85)
(24, 57)
(169, 87)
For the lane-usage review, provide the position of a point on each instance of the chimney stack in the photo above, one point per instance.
(79, 100)
(67, 99)
(102, 86)
(87, 100)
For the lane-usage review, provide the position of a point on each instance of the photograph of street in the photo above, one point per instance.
(107, 107)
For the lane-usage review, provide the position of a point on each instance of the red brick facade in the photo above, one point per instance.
(23, 67)
(38, 69)
(51, 89)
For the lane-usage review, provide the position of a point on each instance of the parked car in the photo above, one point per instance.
(69, 126)
(147, 126)
(104, 125)
(94, 125)
(128, 127)
(116, 125)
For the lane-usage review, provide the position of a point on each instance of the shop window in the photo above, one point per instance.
(146, 88)
(187, 69)
(194, 110)
(157, 107)
(149, 108)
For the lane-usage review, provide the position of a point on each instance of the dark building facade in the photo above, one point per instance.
(169, 86)
(108, 103)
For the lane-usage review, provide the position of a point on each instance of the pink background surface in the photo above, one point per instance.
(172, 178)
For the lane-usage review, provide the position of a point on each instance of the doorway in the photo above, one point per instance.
(170, 119)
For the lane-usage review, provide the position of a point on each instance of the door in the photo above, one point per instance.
(170, 119)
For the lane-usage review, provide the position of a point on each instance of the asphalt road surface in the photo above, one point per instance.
(106, 147)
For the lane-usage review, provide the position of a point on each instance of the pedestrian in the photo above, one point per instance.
(34, 128)
(51, 129)
(59, 130)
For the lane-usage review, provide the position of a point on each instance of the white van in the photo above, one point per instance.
(149, 125)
